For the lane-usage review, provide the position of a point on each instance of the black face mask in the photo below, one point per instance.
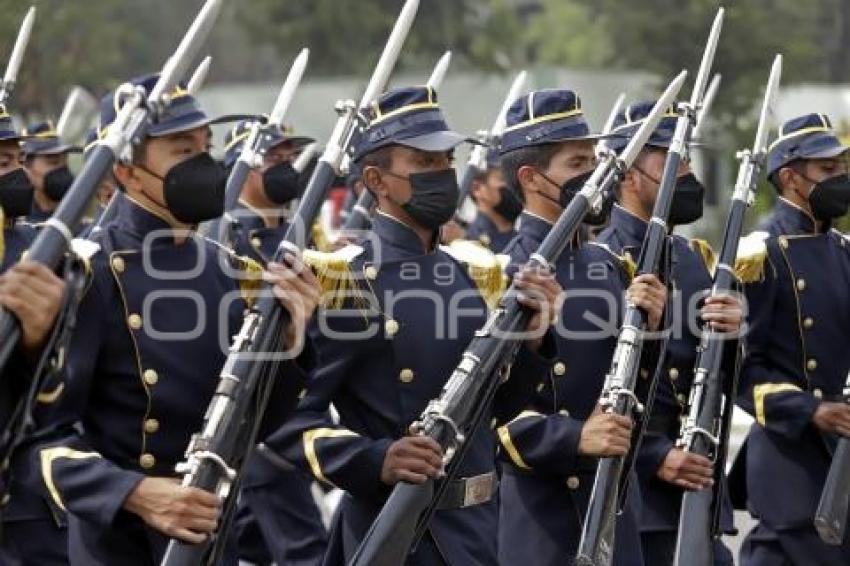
(281, 183)
(15, 193)
(194, 189)
(569, 188)
(57, 183)
(509, 206)
(830, 198)
(688, 197)
(434, 198)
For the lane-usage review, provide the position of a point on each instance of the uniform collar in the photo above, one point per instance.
(794, 219)
(399, 239)
(136, 218)
(534, 226)
(249, 216)
(625, 221)
(487, 225)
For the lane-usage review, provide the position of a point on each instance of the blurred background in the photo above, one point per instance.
(596, 47)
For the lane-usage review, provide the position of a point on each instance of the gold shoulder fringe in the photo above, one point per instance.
(321, 239)
(485, 268)
(752, 253)
(703, 248)
(337, 280)
(251, 277)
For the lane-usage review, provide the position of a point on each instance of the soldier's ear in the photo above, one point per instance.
(126, 175)
(526, 176)
(373, 180)
(787, 178)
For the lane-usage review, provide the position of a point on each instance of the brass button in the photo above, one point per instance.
(674, 374)
(147, 461)
(681, 397)
(812, 364)
(134, 321)
(560, 368)
(783, 242)
(808, 322)
(391, 327)
(494, 422)
(818, 393)
(540, 387)
(371, 272)
(256, 242)
(151, 426)
(118, 264)
(150, 376)
(5, 500)
(644, 373)
(485, 239)
(406, 375)
(801, 284)
(564, 412)
(573, 482)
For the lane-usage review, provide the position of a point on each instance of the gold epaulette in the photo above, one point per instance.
(484, 267)
(627, 262)
(336, 279)
(703, 248)
(321, 239)
(752, 253)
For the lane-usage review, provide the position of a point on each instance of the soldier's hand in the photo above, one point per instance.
(451, 231)
(605, 434)
(412, 459)
(723, 313)
(687, 470)
(34, 294)
(539, 291)
(298, 291)
(648, 293)
(833, 417)
(186, 513)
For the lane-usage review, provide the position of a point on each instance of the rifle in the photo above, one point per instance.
(359, 216)
(256, 144)
(131, 123)
(466, 397)
(10, 79)
(618, 393)
(703, 432)
(831, 514)
(216, 454)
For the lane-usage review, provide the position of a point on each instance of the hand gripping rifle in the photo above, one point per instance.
(465, 399)
(216, 453)
(253, 150)
(618, 393)
(831, 514)
(706, 429)
(132, 122)
(359, 217)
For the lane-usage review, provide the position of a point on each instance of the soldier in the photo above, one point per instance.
(798, 273)
(46, 163)
(266, 191)
(149, 345)
(392, 350)
(498, 207)
(664, 470)
(30, 533)
(549, 452)
(278, 519)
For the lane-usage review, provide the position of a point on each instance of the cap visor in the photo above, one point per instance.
(827, 153)
(436, 141)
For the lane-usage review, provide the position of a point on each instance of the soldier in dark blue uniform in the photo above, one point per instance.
(46, 163)
(278, 520)
(798, 270)
(411, 312)
(267, 190)
(30, 533)
(498, 207)
(145, 358)
(664, 470)
(550, 450)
